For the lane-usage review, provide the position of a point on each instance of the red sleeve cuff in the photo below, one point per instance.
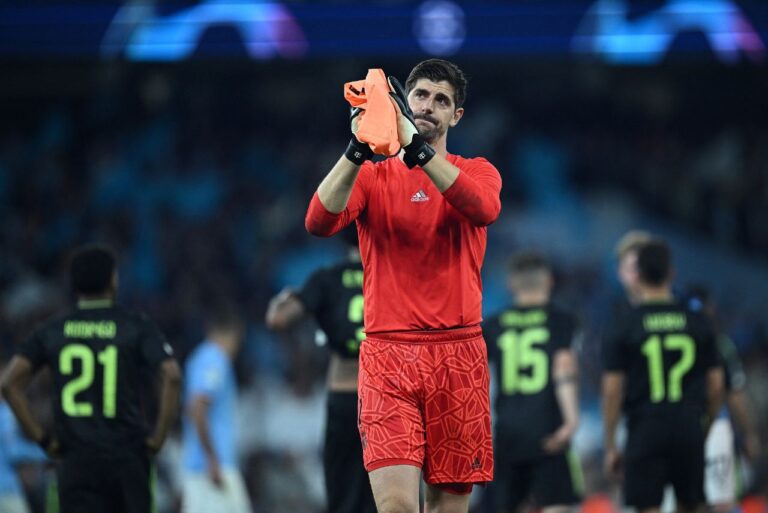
(319, 221)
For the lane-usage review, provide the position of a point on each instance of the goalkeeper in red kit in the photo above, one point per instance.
(421, 219)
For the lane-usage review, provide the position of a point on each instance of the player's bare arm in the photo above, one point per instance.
(566, 374)
(740, 410)
(613, 395)
(15, 381)
(715, 391)
(335, 189)
(169, 375)
(284, 310)
(442, 173)
(198, 411)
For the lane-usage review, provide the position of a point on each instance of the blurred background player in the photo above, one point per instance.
(723, 478)
(626, 270)
(422, 221)
(211, 480)
(722, 472)
(537, 407)
(661, 363)
(16, 451)
(98, 355)
(334, 297)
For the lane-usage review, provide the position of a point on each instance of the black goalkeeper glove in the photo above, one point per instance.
(418, 152)
(357, 152)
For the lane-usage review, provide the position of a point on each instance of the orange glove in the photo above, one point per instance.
(378, 122)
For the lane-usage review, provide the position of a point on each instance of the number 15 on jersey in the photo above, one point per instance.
(524, 364)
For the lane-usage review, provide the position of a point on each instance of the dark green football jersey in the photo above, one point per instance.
(96, 355)
(522, 343)
(665, 351)
(334, 296)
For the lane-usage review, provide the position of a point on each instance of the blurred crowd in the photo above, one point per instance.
(200, 176)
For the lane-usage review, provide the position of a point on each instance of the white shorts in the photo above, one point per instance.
(199, 495)
(720, 470)
(13, 504)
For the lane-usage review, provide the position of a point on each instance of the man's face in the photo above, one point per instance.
(433, 108)
(628, 275)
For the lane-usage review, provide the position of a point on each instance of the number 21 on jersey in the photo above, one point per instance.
(521, 351)
(107, 358)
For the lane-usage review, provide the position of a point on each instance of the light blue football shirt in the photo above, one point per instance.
(14, 449)
(209, 372)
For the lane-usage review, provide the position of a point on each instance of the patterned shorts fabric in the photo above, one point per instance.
(424, 401)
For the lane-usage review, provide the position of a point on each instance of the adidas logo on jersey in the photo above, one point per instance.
(419, 196)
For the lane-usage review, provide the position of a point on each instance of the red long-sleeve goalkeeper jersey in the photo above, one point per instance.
(421, 250)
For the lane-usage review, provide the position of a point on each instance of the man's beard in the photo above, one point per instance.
(432, 133)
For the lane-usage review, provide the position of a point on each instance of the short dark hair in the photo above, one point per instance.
(528, 261)
(224, 315)
(91, 268)
(437, 70)
(654, 262)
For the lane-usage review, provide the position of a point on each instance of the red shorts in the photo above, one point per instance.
(424, 401)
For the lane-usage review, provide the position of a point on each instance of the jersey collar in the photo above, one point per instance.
(90, 304)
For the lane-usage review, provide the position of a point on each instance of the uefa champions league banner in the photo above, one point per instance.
(614, 31)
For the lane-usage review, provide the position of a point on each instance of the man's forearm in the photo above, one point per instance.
(442, 173)
(200, 417)
(610, 421)
(284, 310)
(170, 385)
(715, 392)
(612, 392)
(567, 393)
(17, 377)
(738, 406)
(335, 189)
(567, 387)
(20, 406)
